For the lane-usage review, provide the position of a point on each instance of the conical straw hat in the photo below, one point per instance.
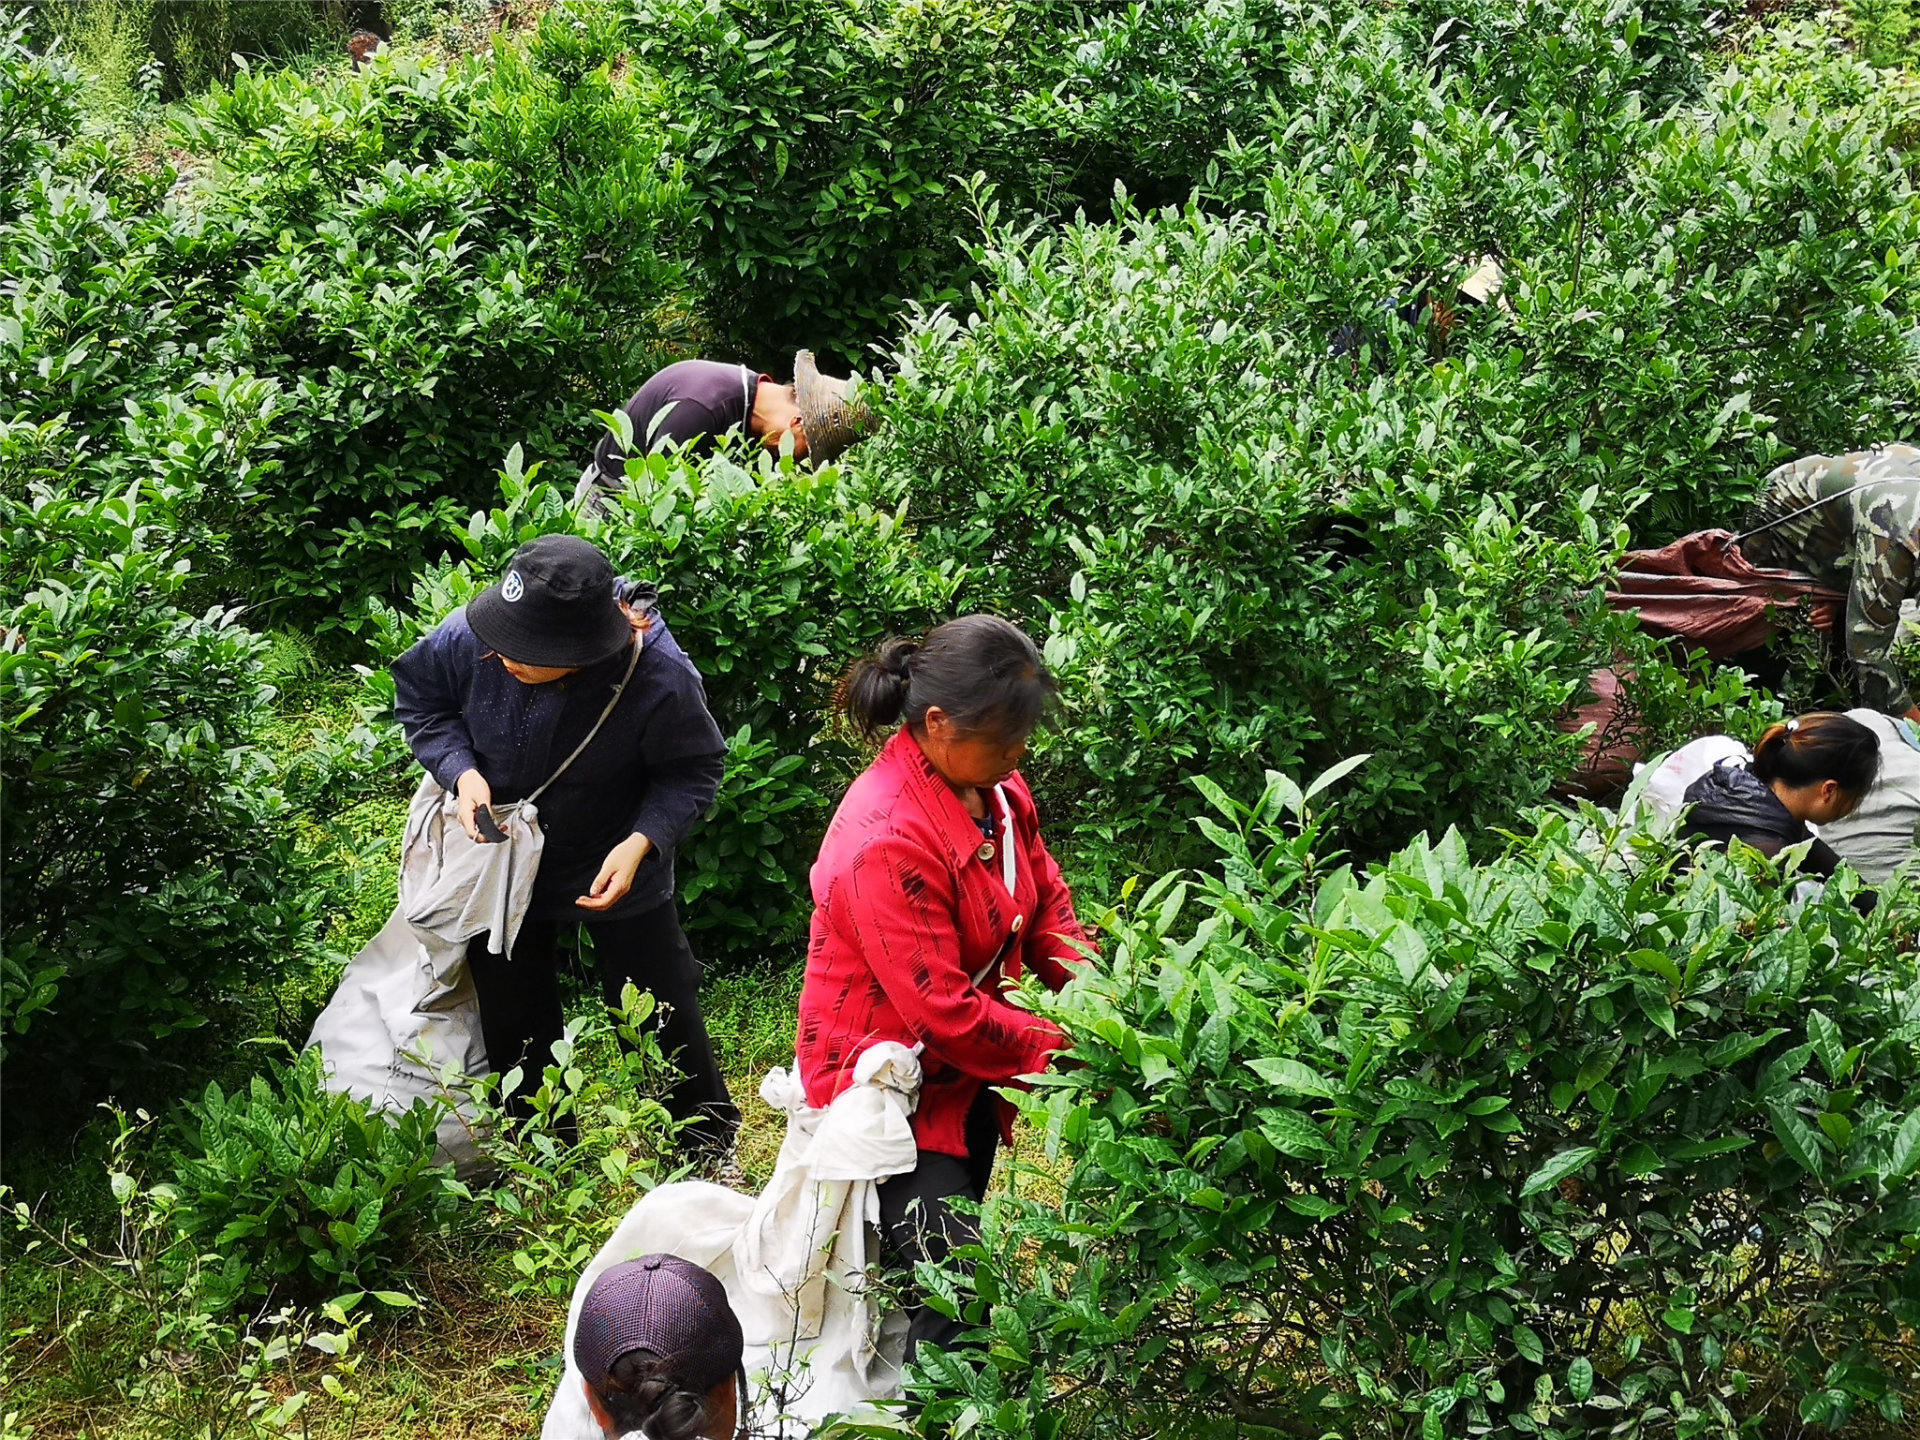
(832, 409)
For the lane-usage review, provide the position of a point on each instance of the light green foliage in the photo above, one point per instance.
(598, 1137)
(292, 1189)
(39, 109)
(192, 1369)
(1535, 1146)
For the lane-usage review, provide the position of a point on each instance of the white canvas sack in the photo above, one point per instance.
(1664, 795)
(795, 1261)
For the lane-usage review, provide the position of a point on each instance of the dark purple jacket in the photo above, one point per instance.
(685, 404)
(653, 769)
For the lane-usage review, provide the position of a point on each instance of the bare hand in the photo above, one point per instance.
(616, 874)
(473, 790)
(640, 620)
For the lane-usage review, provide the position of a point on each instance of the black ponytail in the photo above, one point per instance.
(874, 692)
(641, 1393)
(982, 672)
(1819, 747)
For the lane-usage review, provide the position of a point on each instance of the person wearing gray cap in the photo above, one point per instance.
(660, 1352)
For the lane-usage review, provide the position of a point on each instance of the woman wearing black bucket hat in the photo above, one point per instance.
(492, 702)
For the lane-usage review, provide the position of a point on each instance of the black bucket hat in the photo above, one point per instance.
(554, 606)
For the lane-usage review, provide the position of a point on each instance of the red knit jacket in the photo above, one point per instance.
(909, 906)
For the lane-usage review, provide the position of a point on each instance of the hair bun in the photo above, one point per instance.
(896, 657)
(874, 692)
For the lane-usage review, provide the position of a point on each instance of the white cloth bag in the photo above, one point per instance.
(795, 1261)
(405, 1010)
(1664, 795)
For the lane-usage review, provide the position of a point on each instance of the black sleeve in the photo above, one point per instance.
(686, 756)
(430, 708)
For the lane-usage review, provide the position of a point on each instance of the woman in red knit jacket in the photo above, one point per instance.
(932, 893)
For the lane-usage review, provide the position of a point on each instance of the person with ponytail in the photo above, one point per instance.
(660, 1352)
(1809, 771)
(934, 892)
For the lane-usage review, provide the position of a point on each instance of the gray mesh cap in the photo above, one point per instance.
(667, 1305)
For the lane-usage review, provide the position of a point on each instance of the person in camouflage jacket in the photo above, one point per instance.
(1853, 523)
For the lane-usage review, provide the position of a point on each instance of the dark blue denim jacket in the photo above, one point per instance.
(653, 769)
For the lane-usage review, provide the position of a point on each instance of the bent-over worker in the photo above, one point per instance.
(1853, 523)
(1812, 770)
(691, 404)
(492, 702)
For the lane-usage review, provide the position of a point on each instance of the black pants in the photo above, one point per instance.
(917, 1223)
(520, 1014)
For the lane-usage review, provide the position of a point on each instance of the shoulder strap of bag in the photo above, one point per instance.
(1733, 540)
(618, 691)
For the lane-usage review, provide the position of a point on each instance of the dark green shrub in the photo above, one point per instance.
(432, 264)
(303, 1192)
(1574, 1138)
(1255, 553)
(1150, 96)
(438, 264)
(150, 860)
(826, 145)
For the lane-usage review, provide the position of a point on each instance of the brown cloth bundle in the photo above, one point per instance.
(1700, 593)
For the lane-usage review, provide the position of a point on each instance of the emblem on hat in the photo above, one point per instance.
(513, 587)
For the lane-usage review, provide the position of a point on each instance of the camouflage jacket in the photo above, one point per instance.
(1865, 539)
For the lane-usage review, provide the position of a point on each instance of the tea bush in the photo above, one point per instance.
(432, 263)
(1582, 1136)
(826, 143)
(1241, 557)
(439, 264)
(597, 1136)
(40, 103)
(295, 1191)
(150, 867)
(1268, 520)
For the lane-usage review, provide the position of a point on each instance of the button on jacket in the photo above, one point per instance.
(910, 905)
(653, 769)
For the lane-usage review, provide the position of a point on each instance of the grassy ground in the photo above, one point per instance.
(475, 1361)
(79, 1356)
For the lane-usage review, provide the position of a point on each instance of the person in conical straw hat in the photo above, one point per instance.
(833, 413)
(692, 403)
